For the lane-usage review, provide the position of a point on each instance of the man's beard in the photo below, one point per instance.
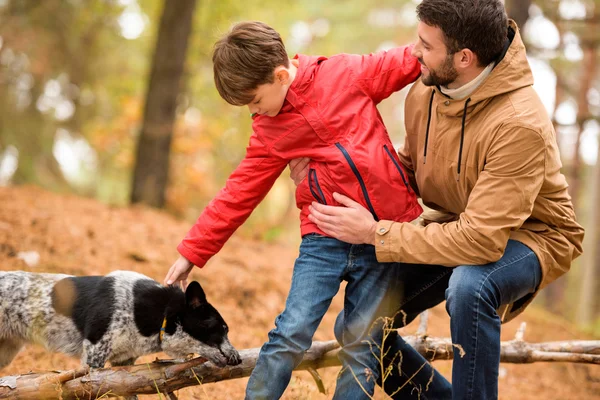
(443, 76)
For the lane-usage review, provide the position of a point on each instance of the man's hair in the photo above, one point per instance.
(246, 58)
(478, 25)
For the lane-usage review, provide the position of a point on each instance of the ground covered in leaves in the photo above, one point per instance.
(247, 282)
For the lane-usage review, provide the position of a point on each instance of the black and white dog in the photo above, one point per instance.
(118, 318)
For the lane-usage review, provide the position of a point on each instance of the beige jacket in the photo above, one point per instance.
(503, 182)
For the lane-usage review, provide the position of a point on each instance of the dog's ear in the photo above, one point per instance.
(194, 295)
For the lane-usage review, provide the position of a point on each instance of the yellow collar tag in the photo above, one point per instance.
(162, 330)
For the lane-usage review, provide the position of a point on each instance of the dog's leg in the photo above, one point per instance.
(8, 350)
(95, 355)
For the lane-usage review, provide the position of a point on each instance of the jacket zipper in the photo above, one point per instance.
(312, 177)
(397, 167)
(360, 179)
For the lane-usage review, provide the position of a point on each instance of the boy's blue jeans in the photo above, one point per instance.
(372, 290)
(473, 293)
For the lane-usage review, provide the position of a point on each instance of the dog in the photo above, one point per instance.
(117, 318)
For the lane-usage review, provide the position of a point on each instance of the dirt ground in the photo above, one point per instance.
(247, 282)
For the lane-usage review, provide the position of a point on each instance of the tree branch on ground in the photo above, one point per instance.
(167, 376)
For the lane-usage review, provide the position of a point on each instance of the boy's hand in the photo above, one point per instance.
(179, 272)
(299, 169)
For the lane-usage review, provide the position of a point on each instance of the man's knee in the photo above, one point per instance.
(468, 286)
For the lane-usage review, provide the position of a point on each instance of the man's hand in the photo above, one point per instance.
(351, 224)
(299, 169)
(178, 273)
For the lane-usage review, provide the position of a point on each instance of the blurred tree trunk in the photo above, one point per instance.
(591, 259)
(152, 161)
(588, 294)
(518, 10)
(560, 92)
(555, 294)
(588, 73)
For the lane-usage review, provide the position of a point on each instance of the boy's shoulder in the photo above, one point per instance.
(336, 61)
(321, 69)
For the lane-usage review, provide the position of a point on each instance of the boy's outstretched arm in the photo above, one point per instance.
(245, 188)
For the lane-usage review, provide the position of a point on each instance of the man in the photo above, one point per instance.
(480, 147)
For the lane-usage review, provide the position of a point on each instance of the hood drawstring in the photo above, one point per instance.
(462, 138)
(462, 133)
(428, 124)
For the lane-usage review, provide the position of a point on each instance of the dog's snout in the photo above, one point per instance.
(230, 353)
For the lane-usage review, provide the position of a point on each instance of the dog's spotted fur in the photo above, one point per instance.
(114, 318)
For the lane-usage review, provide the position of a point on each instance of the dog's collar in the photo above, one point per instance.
(162, 330)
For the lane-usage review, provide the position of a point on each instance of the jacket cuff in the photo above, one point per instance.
(384, 241)
(187, 253)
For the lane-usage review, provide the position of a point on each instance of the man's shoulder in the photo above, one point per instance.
(521, 108)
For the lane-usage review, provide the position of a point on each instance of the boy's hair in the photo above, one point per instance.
(245, 58)
(478, 25)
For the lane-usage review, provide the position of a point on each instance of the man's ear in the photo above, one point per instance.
(194, 295)
(282, 75)
(465, 58)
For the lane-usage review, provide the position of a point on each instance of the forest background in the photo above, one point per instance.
(114, 100)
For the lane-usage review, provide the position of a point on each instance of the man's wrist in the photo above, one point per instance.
(371, 237)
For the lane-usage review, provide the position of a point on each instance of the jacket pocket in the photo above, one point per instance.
(398, 167)
(361, 181)
(313, 185)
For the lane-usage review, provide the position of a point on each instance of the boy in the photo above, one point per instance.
(325, 109)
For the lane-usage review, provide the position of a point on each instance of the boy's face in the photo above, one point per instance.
(437, 66)
(268, 98)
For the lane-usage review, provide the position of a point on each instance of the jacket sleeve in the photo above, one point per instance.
(501, 200)
(386, 72)
(244, 190)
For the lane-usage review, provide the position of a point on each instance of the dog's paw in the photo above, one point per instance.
(234, 358)
(220, 361)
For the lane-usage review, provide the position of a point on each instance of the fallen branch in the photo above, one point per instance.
(162, 376)
(168, 376)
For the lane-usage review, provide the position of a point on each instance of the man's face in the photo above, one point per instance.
(437, 66)
(268, 99)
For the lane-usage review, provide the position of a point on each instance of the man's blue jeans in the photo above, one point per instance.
(371, 288)
(473, 294)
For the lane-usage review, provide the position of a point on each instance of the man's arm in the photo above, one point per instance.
(299, 169)
(502, 199)
(500, 202)
(245, 189)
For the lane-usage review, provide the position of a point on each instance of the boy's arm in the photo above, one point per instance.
(245, 189)
(386, 72)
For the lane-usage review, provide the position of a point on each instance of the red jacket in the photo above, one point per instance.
(330, 116)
